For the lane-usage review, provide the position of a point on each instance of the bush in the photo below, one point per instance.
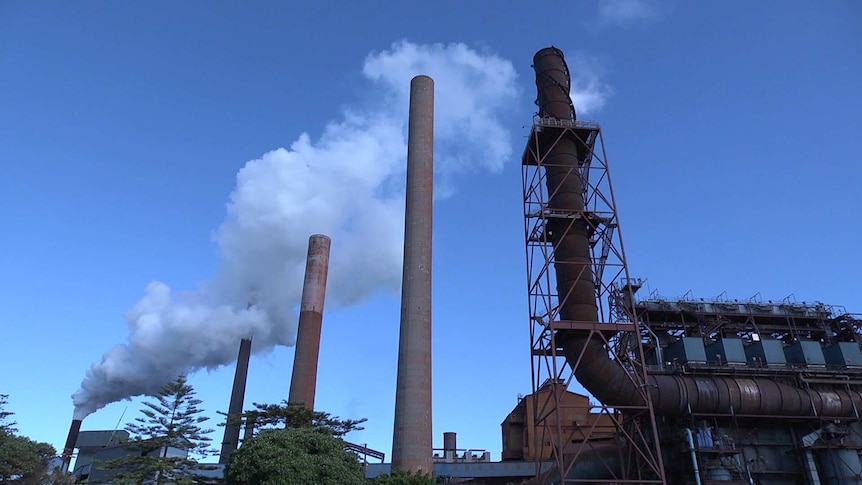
(294, 456)
(404, 478)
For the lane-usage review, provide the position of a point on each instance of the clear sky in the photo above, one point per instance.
(140, 142)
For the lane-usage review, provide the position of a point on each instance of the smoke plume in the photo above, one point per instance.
(627, 12)
(589, 92)
(347, 184)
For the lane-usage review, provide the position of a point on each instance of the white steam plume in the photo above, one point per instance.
(626, 12)
(588, 91)
(348, 184)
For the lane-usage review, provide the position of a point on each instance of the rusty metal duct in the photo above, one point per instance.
(572, 256)
(237, 396)
(553, 84)
(602, 376)
(412, 438)
(71, 441)
(303, 381)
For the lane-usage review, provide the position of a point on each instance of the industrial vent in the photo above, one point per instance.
(767, 352)
(843, 354)
(686, 350)
(726, 351)
(805, 352)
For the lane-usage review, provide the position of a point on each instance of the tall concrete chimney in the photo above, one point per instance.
(237, 395)
(71, 441)
(304, 379)
(412, 440)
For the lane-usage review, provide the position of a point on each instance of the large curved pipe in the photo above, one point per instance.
(606, 378)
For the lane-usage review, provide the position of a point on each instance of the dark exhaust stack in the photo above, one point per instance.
(572, 259)
(237, 396)
(553, 84)
(71, 441)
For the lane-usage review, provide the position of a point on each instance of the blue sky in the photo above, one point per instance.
(732, 128)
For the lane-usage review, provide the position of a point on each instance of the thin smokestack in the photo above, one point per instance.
(71, 441)
(303, 381)
(412, 439)
(237, 396)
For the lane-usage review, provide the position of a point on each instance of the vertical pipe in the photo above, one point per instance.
(71, 441)
(810, 467)
(691, 449)
(572, 258)
(412, 439)
(303, 381)
(237, 396)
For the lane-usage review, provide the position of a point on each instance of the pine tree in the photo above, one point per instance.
(22, 460)
(292, 415)
(172, 421)
(6, 426)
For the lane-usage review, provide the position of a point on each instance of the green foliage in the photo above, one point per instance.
(294, 456)
(291, 415)
(6, 426)
(22, 460)
(172, 421)
(404, 478)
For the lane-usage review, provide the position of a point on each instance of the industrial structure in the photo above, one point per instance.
(412, 440)
(303, 380)
(71, 440)
(237, 397)
(688, 391)
(92, 447)
(96, 448)
(679, 391)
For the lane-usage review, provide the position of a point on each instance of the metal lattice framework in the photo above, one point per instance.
(632, 454)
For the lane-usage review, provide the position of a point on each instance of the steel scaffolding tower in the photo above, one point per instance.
(632, 454)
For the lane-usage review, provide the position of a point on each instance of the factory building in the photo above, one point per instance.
(571, 419)
(770, 389)
(90, 444)
(95, 448)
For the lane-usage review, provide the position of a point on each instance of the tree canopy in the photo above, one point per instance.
(294, 456)
(172, 421)
(22, 460)
(291, 415)
(297, 446)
